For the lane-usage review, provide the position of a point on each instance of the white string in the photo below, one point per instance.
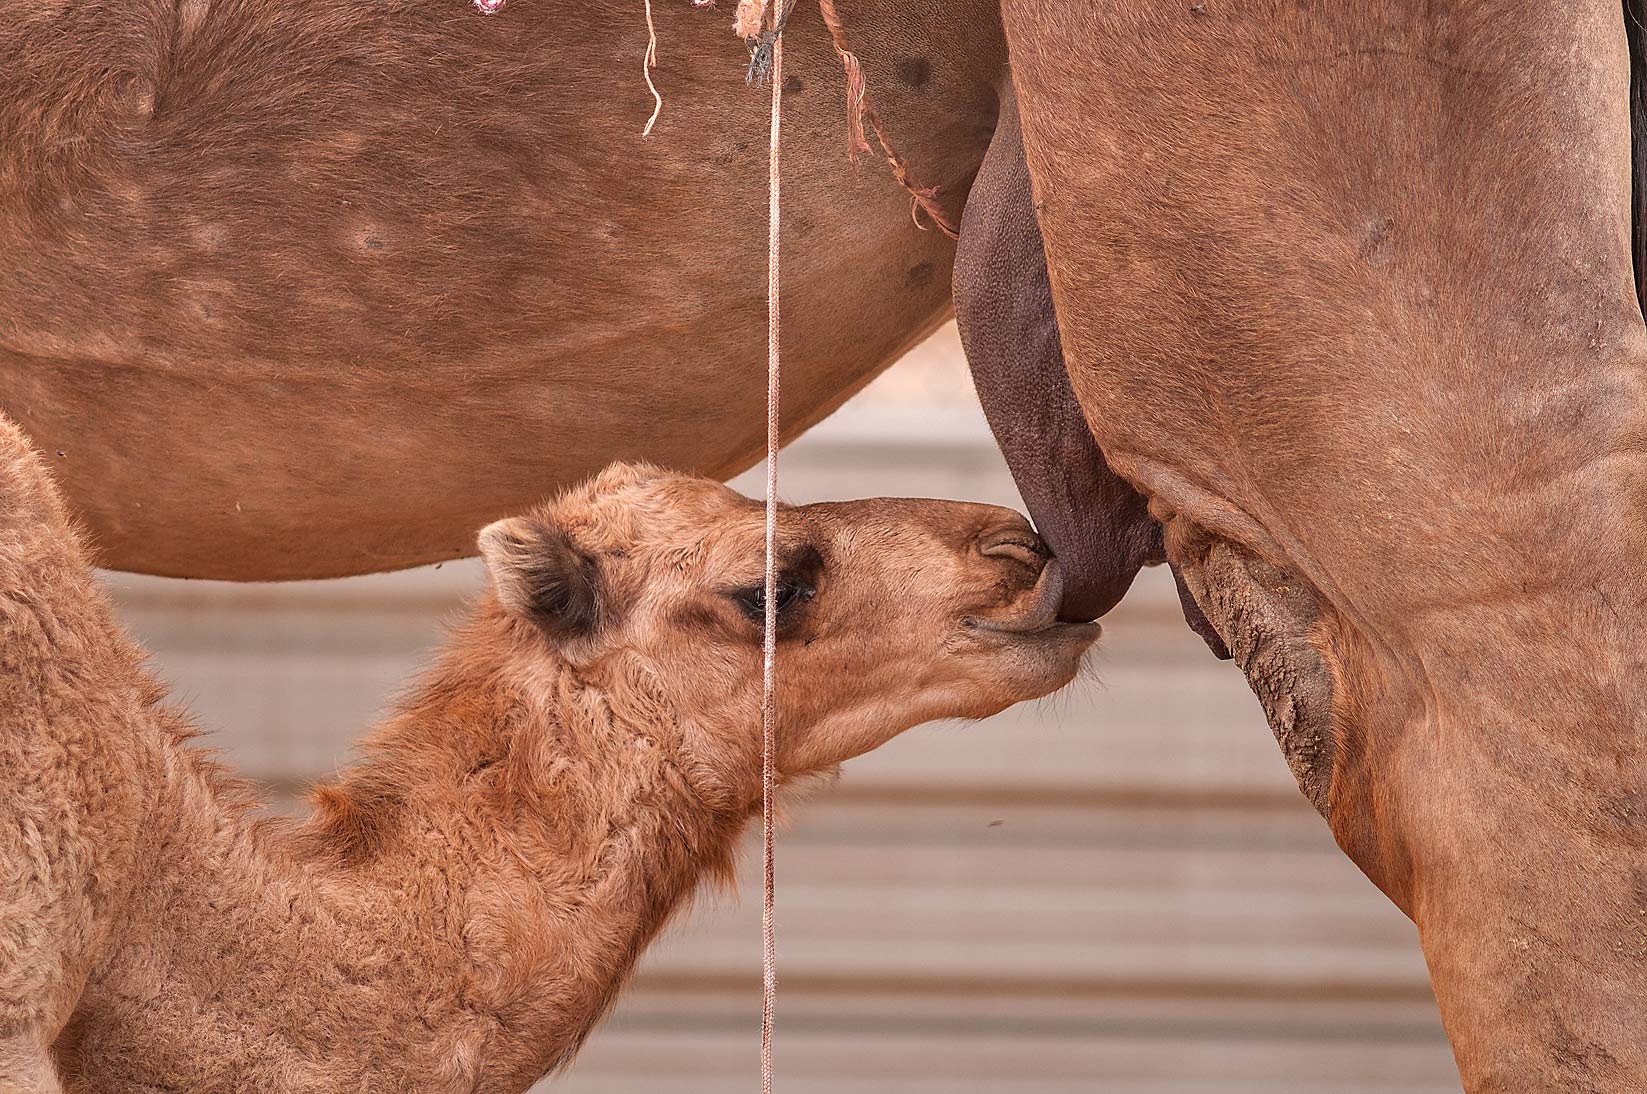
(647, 65)
(769, 948)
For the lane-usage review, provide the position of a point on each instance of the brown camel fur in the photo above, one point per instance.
(1347, 291)
(465, 901)
(275, 274)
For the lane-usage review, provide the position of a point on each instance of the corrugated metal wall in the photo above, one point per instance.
(1117, 889)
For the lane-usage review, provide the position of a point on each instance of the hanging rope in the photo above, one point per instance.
(769, 945)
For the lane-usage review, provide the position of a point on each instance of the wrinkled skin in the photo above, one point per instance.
(1003, 308)
(1347, 294)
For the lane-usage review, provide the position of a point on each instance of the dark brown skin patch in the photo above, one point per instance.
(1097, 524)
(915, 72)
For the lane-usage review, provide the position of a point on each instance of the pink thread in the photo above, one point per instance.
(489, 7)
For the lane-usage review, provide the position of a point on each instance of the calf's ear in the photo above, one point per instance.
(540, 575)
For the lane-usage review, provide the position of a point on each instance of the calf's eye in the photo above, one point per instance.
(789, 592)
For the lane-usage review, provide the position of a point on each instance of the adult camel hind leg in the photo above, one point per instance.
(1347, 291)
(1097, 524)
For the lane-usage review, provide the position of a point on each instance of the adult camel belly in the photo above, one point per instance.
(1346, 291)
(306, 289)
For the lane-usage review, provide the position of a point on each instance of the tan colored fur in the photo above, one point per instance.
(466, 900)
(275, 275)
(1347, 291)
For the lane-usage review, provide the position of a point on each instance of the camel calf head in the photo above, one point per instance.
(891, 612)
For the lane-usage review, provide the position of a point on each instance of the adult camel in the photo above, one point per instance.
(1347, 294)
(309, 289)
(305, 289)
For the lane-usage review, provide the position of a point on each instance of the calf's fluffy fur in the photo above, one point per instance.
(464, 903)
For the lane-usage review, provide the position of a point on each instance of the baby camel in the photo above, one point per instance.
(466, 901)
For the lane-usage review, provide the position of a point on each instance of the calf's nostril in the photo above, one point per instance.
(1020, 544)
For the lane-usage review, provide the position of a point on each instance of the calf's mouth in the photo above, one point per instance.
(1036, 613)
